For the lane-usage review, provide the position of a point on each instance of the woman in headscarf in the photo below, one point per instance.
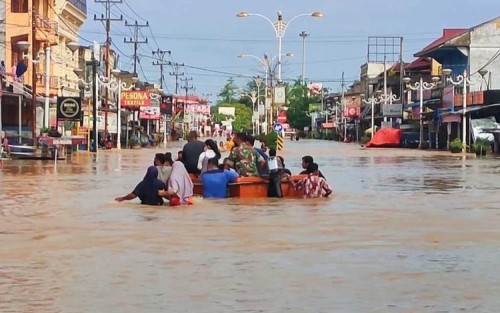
(148, 190)
(180, 186)
(211, 151)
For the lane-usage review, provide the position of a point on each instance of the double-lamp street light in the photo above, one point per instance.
(24, 46)
(375, 99)
(421, 85)
(254, 96)
(266, 63)
(280, 27)
(464, 81)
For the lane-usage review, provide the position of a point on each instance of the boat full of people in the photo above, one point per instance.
(248, 172)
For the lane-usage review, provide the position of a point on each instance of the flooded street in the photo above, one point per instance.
(405, 231)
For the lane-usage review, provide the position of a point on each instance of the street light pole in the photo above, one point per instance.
(372, 100)
(304, 35)
(421, 86)
(280, 27)
(47, 87)
(465, 81)
(266, 65)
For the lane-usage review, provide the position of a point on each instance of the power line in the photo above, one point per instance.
(135, 40)
(160, 54)
(186, 86)
(107, 19)
(177, 74)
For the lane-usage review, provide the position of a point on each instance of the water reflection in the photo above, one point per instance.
(403, 232)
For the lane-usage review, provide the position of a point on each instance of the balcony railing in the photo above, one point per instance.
(46, 24)
(53, 82)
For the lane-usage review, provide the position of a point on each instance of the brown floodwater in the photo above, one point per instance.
(405, 231)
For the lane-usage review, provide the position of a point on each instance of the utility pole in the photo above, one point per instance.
(176, 73)
(186, 88)
(135, 40)
(33, 74)
(107, 19)
(161, 62)
(304, 35)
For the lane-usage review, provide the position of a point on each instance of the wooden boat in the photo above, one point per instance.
(252, 187)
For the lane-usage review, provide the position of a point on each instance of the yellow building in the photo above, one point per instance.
(57, 24)
(23, 19)
(71, 14)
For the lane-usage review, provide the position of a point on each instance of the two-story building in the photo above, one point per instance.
(33, 27)
(475, 53)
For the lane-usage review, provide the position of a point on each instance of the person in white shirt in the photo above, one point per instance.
(211, 151)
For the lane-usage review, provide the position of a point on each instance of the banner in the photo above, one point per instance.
(279, 95)
(448, 97)
(135, 98)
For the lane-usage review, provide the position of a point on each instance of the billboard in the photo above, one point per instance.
(314, 107)
(227, 111)
(198, 108)
(392, 109)
(315, 88)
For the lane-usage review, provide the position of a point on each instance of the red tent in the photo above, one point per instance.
(386, 137)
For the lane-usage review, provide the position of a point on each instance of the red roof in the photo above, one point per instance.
(418, 63)
(448, 33)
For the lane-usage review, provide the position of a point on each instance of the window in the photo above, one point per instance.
(19, 6)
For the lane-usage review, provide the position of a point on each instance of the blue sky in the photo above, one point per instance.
(207, 34)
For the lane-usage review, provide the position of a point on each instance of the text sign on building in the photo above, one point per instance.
(149, 113)
(69, 108)
(135, 98)
(393, 110)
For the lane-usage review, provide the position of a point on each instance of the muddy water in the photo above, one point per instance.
(406, 231)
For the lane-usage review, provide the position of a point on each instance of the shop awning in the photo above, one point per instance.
(475, 108)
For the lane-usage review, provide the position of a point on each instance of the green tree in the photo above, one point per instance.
(228, 92)
(298, 105)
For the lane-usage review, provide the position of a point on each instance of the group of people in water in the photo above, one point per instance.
(169, 179)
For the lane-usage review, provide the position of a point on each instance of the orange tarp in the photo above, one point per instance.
(386, 137)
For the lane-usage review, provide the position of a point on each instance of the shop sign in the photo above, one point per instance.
(69, 108)
(135, 98)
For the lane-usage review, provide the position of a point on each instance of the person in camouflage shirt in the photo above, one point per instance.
(244, 159)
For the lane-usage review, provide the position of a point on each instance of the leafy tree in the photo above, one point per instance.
(298, 105)
(228, 92)
(242, 121)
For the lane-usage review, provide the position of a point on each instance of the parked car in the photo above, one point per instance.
(412, 139)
